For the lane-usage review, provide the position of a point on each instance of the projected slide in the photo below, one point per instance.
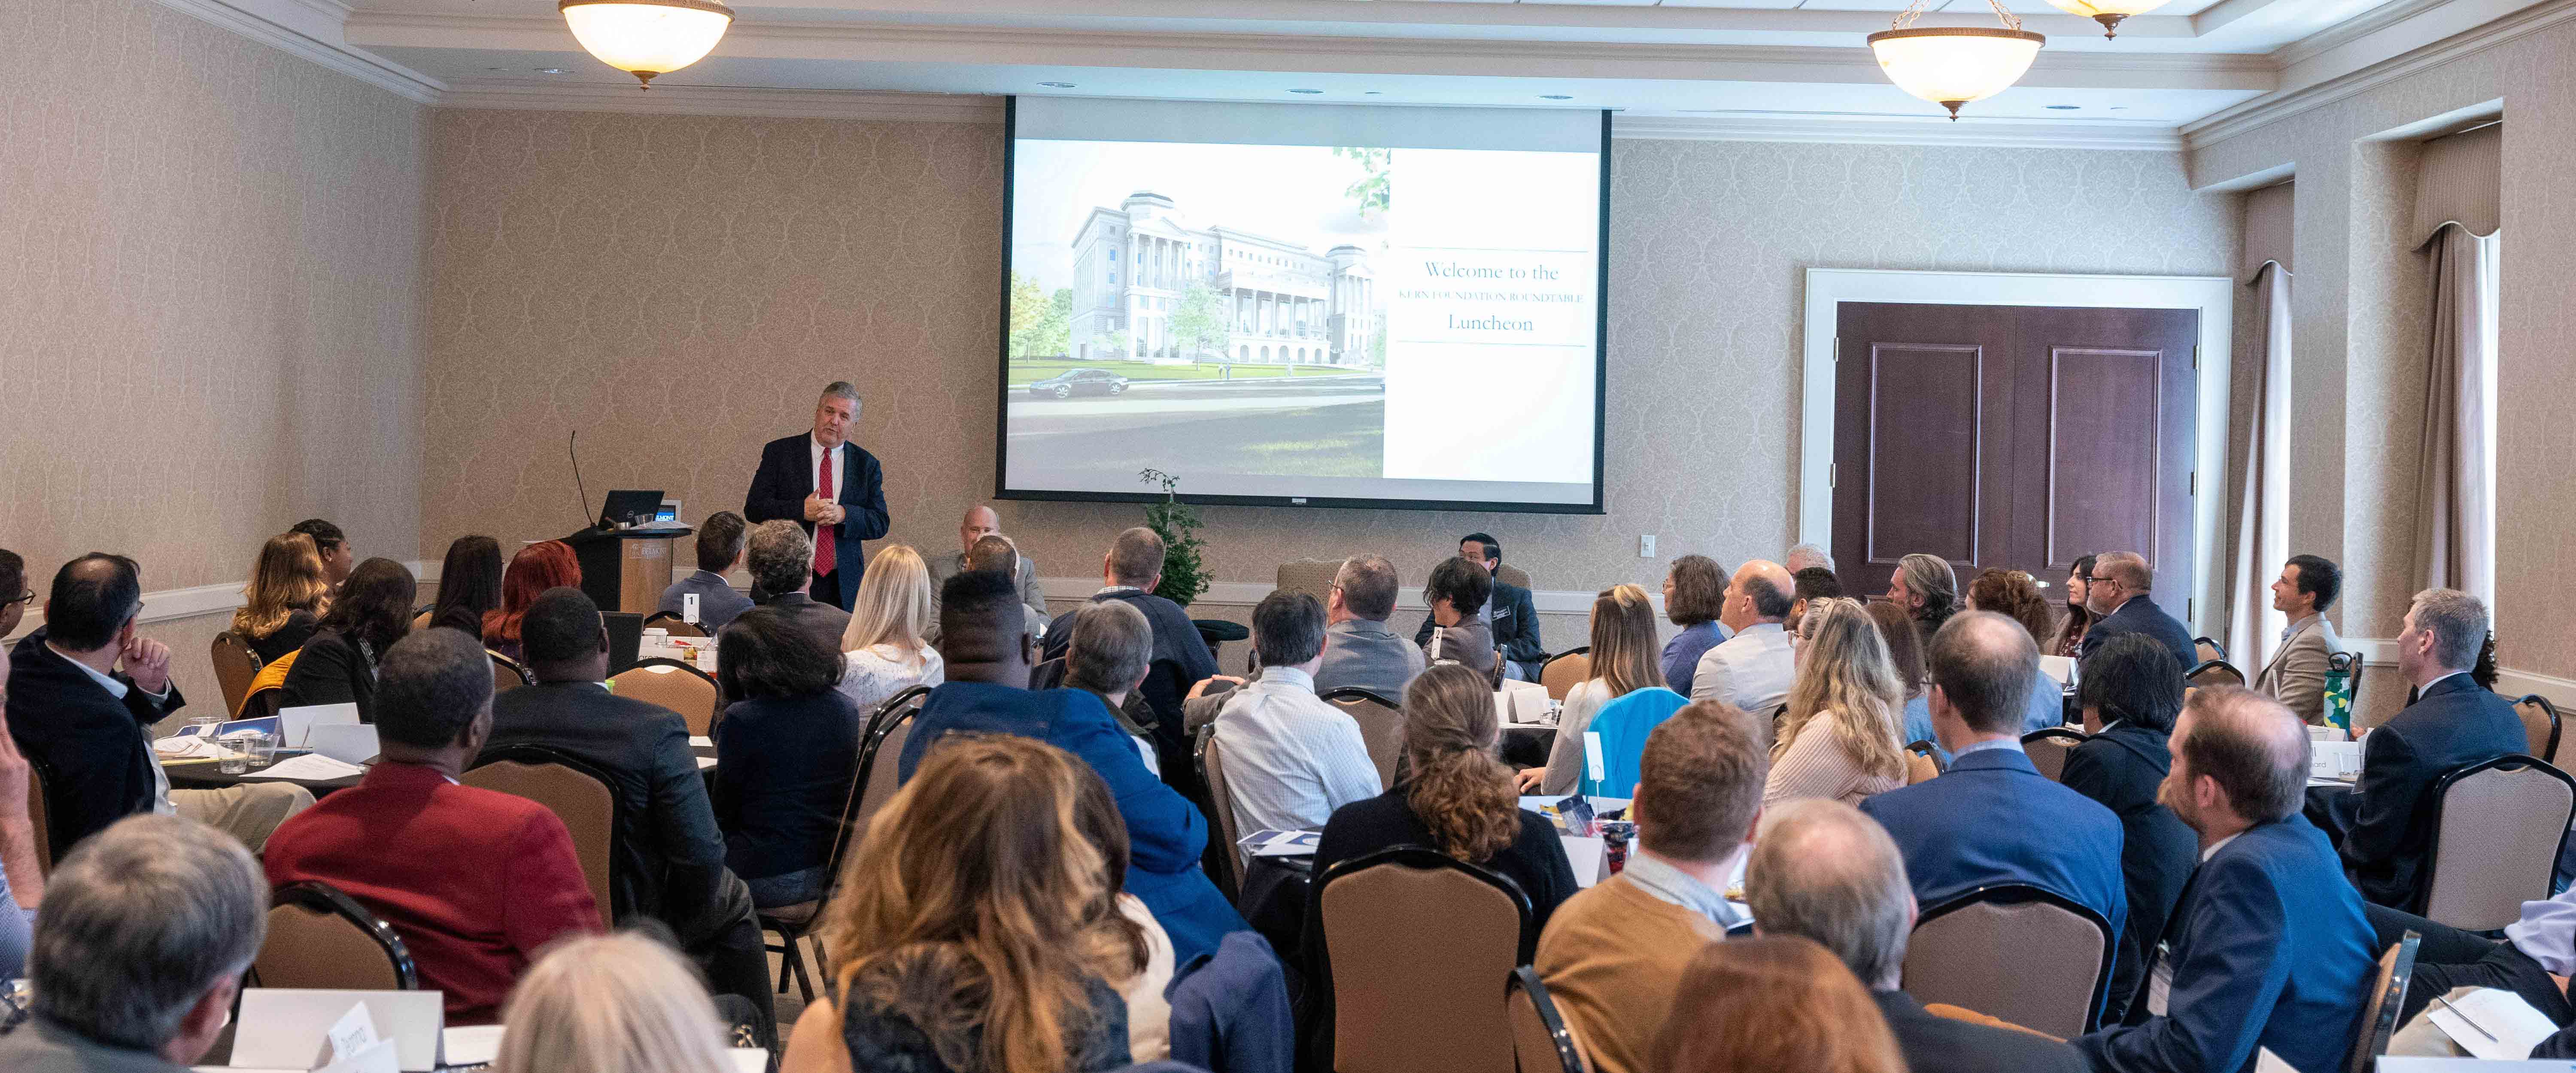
(1382, 321)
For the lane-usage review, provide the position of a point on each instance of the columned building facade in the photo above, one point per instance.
(1280, 303)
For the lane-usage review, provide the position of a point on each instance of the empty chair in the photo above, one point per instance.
(319, 937)
(2497, 828)
(671, 684)
(1541, 1040)
(2540, 723)
(1412, 943)
(1566, 670)
(1381, 726)
(2016, 952)
(235, 667)
(580, 795)
(2048, 748)
(2387, 996)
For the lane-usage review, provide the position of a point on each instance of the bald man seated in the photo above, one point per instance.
(981, 522)
(1754, 668)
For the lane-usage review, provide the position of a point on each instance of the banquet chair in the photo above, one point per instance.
(2497, 828)
(2205, 650)
(507, 673)
(1412, 941)
(1542, 1041)
(795, 923)
(675, 685)
(1511, 575)
(670, 623)
(579, 794)
(1314, 577)
(2380, 1008)
(1381, 726)
(1921, 763)
(1228, 866)
(420, 621)
(2540, 724)
(2214, 672)
(268, 689)
(235, 667)
(1566, 670)
(40, 811)
(2048, 749)
(321, 938)
(2016, 952)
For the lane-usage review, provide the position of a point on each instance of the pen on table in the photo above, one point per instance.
(2464, 1018)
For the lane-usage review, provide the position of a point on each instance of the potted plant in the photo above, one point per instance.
(1184, 574)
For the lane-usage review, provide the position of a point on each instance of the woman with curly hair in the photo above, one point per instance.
(2015, 595)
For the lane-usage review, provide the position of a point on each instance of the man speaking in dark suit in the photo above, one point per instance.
(1508, 612)
(2118, 594)
(829, 486)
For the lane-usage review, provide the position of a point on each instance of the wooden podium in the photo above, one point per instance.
(625, 569)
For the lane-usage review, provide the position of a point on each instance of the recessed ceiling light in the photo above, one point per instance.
(1556, 96)
(1372, 93)
(550, 70)
(1057, 85)
(2064, 107)
(1306, 91)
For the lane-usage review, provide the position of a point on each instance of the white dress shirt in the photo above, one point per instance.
(814, 469)
(1290, 758)
(1752, 670)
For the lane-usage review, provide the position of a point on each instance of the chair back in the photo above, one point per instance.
(268, 688)
(2540, 724)
(579, 794)
(881, 756)
(1412, 942)
(1210, 761)
(673, 625)
(420, 621)
(1381, 726)
(235, 666)
(2048, 749)
(672, 684)
(2497, 829)
(2214, 672)
(1565, 670)
(319, 937)
(2386, 998)
(2205, 650)
(1314, 577)
(2016, 952)
(507, 673)
(1920, 767)
(1511, 575)
(1049, 674)
(1541, 1041)
(40, 812)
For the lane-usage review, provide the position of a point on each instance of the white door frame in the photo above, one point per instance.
(2213, 296)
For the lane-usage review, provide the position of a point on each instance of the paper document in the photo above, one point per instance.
(1584, 852)
(702, 743)
(705, 762)
(353, 744)
(2338, 760)
(471, 1045)
(1280, 843)
(2267, 1062)
(2491, 1023)
(188, 747)
(310, 767)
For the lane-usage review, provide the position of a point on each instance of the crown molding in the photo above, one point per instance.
(2238, 119)
(311, 30)
(534, 95)
(1874, 130)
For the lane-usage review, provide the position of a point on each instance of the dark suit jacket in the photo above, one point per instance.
(1514, 620)
(803, 610)
(96, 745)
(2121, 768)
(2141, 615)
(670, 860)
(783, 771)
(1181, 660)
(2269, 949)
(786, 477)
(1932, 1043)
(1993, 818)
(332, 670)
(2451, 726)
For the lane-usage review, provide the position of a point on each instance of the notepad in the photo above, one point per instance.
(310, 767)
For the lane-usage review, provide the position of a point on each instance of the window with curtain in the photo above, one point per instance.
(2458, 217)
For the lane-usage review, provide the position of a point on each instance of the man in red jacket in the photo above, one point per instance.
(473, 880)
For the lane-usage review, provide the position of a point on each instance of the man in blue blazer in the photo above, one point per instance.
(983, 640)
(1993, 818)
(2118, 596)
(831, 487)
(2388, 817)
(2268, 948)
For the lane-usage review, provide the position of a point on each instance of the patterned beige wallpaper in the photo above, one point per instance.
(679, 287)
(2359, 321)
(211, 254)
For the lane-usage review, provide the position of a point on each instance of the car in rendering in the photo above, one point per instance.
(1066, 384)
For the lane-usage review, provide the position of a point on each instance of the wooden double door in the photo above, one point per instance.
(2018, 437)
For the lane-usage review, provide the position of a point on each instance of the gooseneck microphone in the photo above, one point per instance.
(573, 448)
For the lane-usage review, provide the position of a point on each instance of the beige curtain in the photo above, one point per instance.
(2455, 482)
(2263, 520)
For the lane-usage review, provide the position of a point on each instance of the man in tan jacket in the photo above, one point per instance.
(2296, 676)
(1613, 955)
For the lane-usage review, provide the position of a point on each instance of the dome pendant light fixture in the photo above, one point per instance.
(2107, 12)
(645, 38)
(1952, 65)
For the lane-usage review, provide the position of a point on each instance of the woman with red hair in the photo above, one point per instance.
(544, 565)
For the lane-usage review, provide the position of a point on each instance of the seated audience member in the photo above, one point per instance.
(888, 618)
(2537, 952)
(1812, 584)
(22, 880)
(1827, 873)
(1507, 612)
(14, 593)
(1754, 669)
(469, 585)
(981, 522)
(2268, 948)
(1694, 598)
(537, 569)
(140, 951)
(620, 1003)
(1905, 653)
(987, 654)
(781, 558)
(338, 666)
(1358, 648)
(1928, 590)
(941, 966)
(1623, 662)
(1144, 970)
(1112, 648)
(1455, 796)
(2386, 822)
(88, 722)
(1839, 738)
(998, 554)
(1613, 955)
(1806, 557)
(786, 750)
(2069, 641)
(1779, 1005)
(669, 861)
(720, 550)
(1992, 817)
(286, 597)
(2296, 675)
(475, 881)
(1457, 588)
(330, 543)
(2118, 596)
(2015, 596)
(2131, 692)
(1129, 573)
(1291, 759)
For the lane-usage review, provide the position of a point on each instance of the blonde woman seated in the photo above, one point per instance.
(287, 596)
(975, 930)
(1838, 739)
(620, 1003)
(887, 654)
(1623, 662)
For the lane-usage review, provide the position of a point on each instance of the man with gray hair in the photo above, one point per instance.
(829, 488)
(1825, 872)
(1753, 669)
(1129, 573)
(1807, 557)
(781, 559)
(2118, 596)
(147, 928)
(1358, 648)
(1112, 647)
(1290, 758)
(2387, 818)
